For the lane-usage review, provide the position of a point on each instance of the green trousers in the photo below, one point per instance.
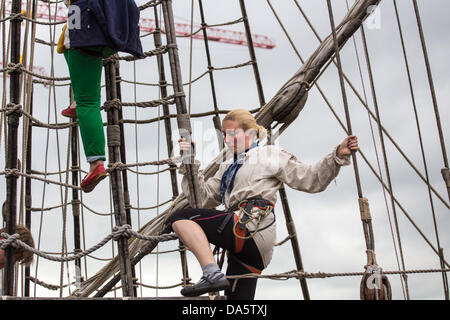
(85, 74)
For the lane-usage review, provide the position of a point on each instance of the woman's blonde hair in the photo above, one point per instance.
(246, 121)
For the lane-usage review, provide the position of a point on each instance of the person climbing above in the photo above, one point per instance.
(246, 183)
(96, 29)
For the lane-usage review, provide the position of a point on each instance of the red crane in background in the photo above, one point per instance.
(59, 13)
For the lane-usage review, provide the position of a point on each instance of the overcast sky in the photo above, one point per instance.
(328, 224)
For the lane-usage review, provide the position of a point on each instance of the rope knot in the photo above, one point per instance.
(371, 257)
(17, 17)
(9, 240)
(179, 94)
(121, 231)
(112, 104)
(12, 172)
(14, 67)
(172, 46)
(12, 108)
(116, 166)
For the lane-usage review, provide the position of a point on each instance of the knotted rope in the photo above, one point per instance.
(117, 232)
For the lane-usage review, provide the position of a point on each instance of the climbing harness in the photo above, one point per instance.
(243, 213)
(247, 210)
(245, 265)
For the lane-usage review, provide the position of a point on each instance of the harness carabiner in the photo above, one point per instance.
(248, 213)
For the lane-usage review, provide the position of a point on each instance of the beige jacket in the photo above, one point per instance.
(262, 174)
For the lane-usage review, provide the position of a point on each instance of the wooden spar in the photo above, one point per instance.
(11, 157)
(183, 118)
(292, 90)
(123, 159)
(216, 118)
(251, 50)
(166, 111)
(116, 181)
(28, 193)
(366, 219)
(294, 241)
(445, 170)
(29, 88)
(111, 283)
(282, 192)
(123, 154)
(75, 166)
(168, 129)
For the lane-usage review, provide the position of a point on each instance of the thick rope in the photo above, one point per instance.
(116, 234)
(323, 275)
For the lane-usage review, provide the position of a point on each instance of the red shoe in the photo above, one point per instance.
(91, 180)
(69, 112)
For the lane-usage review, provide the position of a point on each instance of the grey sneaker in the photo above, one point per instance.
(213, 283)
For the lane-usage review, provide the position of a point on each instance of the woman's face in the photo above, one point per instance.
(235, 137)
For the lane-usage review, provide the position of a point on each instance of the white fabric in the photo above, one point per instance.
(264, 171)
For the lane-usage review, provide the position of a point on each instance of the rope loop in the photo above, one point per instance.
(14, 67)
(116, 166)
(172, 46)
(371, 257)
(16, 17)
(112, 104)
(9, 240)
(12, 108)
(121, 231)
(179, 94)
(11, 172)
